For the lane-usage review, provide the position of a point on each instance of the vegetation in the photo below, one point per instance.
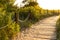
(8, 27)
(36, 13)
(12, 18)
(58, 29)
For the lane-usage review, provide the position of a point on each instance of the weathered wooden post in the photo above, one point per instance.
(58, 11)
(16, 37)
(16, 17)
(47, 11)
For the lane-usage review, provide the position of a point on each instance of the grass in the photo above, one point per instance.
(58, 29)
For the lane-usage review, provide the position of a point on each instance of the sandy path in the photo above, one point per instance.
(43, 30)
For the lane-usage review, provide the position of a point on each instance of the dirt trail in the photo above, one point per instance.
(43, 30)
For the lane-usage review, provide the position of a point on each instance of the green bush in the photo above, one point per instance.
(6, 33)
(58, 29)
(34, 14)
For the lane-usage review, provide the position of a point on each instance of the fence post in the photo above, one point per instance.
(58, 11)
(47, 11)
(16, 17)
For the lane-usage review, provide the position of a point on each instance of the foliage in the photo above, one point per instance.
(58, 29)
(8, 26)
(32, 4)
(7, 32)
(34, 14)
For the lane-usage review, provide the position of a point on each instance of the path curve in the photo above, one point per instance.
(43, 30)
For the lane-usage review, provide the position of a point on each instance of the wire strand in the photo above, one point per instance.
(6, 25)
(25, 19)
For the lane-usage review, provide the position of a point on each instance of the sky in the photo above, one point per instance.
(45, 4)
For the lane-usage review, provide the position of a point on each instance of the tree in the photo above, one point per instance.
(30, 2)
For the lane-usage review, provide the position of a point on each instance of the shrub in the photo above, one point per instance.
(58, 29)
(34, 14)
(6, 33)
